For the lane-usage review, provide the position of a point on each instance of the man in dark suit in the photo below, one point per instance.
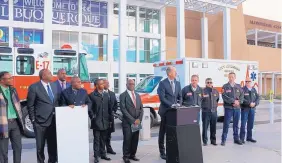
(132, 111)
(169, 92)
(61, 83)
(113, 107)
(100, 115)
(42, 99)
(75, 95)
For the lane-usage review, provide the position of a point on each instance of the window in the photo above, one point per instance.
(4, 36)
(94, 14)
(149, 20)
(6, 63)
(25, 37)
(149, 50)
(131, 17)
(29, 11)
(60, 38)
(131, 49)
(65, 12)
(67, 63)
(25, 65)
(148, 84)
(95, 45)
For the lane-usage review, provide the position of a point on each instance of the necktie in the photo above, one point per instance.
(133, 98)
(63, 85)
(172, 86)
(50, 94)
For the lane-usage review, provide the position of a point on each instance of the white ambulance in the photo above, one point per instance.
(216, 69)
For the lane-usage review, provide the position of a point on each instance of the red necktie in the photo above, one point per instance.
(134, 99)
(63, 86)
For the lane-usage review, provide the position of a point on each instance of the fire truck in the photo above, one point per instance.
(25, 63)
(216, 69)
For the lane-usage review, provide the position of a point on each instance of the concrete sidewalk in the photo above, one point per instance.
(267, 150)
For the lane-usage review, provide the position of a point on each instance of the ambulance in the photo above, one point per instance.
(216, 69)
(25, 63)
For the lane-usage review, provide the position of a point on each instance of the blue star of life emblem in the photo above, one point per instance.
(253, 76)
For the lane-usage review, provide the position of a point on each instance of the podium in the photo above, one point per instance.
(183, 138)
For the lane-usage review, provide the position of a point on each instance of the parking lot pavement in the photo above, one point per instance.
(267, 150)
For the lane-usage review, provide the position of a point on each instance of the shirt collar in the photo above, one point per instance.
(170, 80)
(107, 91)
(128, 91)
(4, 88)
(44, 84)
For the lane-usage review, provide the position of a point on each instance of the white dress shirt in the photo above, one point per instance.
(45, 86)
(130, 94)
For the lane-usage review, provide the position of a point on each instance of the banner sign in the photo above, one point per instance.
(29, 10)
(94, 14)
(4, 9)
(65, 12)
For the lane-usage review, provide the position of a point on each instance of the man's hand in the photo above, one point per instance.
(252, 105)
(83, 105)
(237, 103)
(137, 122)
(72, 106)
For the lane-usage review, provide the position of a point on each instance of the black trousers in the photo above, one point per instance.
(43, 133)
(108, 140)
(99, 143)
(162, 135)
(16, 142)
(209, 119)
(130, 141)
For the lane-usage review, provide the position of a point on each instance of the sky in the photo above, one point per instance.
(267, 9)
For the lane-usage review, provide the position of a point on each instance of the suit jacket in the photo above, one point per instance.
(69, 98)
(113, 107)
(39, 105)
(167, 97)
(59, 86)
(130, 113)
(100, 112)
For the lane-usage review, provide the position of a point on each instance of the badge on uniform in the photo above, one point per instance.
(189, 94)
(228, 91)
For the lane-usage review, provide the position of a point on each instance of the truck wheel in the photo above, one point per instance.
(27, 125)
(152, 119)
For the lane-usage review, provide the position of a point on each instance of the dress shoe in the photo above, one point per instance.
(126, 160)
(214, 143)
(243, 141)
(134, 158)
(96, 160)
(111, 152)
(238, 142)
(163, 156)
(222, 143)
(252, 140)
(205, 144)
(106, 158)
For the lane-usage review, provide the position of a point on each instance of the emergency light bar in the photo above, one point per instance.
(25, 50)
(167, 63)
(4, 49)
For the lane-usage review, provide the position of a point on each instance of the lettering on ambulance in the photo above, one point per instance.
(42, 65)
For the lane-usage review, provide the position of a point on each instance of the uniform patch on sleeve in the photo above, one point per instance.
(189, 94)
(228, 91)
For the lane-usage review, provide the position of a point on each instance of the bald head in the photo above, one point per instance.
(171, 72)
(45, 75)
(130, 84)
(76, 82)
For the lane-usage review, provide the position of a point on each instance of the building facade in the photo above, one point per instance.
(93, 27)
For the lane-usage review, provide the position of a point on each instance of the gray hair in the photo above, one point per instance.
(195, 76)
(207, 79)
(169, 69)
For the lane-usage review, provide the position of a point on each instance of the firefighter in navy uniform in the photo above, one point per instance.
(192, 94)
(251, 100)
(233, 97)
(209, 111)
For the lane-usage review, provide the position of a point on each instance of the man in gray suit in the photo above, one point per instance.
(169, 92)
(132, 111)
(42, 99)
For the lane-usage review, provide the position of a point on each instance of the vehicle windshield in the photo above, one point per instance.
(148, 84)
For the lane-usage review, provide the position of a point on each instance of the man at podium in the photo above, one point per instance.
(169, 92)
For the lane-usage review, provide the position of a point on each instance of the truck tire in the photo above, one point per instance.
(27, 125)
(152, 120)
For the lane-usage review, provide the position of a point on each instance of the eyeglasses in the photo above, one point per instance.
(209, 82)
(248, 81)
(7, 78)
